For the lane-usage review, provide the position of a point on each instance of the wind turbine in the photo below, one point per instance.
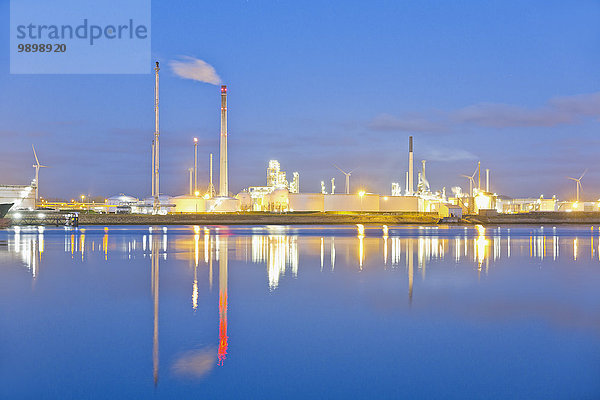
(37, 167)
(347, 178)
(471, 181)
(578, 184)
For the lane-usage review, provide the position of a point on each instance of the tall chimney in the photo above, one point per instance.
(487, 180)
(410, 166)
(223, 181)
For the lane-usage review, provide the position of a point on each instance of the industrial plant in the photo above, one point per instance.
(281, 193)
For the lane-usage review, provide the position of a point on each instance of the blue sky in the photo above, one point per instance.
(512, 84)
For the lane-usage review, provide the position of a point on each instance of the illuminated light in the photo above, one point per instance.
(385, 198)
(362, 193)
(195, 140)
(480, 230)
(41, 215)
(385, 230)
(361, 229)
(206, 196)
(575, 205)
(196, 193)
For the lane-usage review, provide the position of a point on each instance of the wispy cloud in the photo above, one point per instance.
(556, 111)
(195, 69)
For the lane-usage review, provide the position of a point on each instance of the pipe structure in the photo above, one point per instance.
(211, 187)
(191, 171)
(487, 180)
(195, 165)
(223, 181)
(479, 175)
(410, 166)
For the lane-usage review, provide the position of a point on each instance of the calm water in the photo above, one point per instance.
(298, 312)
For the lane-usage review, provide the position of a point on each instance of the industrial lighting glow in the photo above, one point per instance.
(206, 196)
(196, 193)
(195, 140)
(361, 193)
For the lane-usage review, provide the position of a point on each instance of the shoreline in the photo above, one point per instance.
(244, 218)
(339, 218)
(306, 218)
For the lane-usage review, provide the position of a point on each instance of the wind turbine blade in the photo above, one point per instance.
(341, 170)
(583, 174)
(35, 155)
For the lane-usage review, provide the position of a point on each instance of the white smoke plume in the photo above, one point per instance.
(195, 69)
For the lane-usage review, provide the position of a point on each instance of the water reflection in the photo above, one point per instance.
(281, 251)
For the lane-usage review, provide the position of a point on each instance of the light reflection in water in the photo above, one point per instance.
(280, 251)
(223, 338)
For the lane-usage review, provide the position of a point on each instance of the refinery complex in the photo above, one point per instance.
(282, 191)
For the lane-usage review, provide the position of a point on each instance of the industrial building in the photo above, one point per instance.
(22, 196)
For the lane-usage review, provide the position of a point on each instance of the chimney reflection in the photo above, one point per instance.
(223, 259)
(154, 258)
(410, 268)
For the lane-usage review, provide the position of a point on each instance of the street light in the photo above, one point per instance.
(361, 194)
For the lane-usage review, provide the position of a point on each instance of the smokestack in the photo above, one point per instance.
(410, 166)
(487, 180)
(223, 181)
(195, 165)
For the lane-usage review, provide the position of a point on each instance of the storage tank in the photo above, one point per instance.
(245, 201)
(306, 201)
